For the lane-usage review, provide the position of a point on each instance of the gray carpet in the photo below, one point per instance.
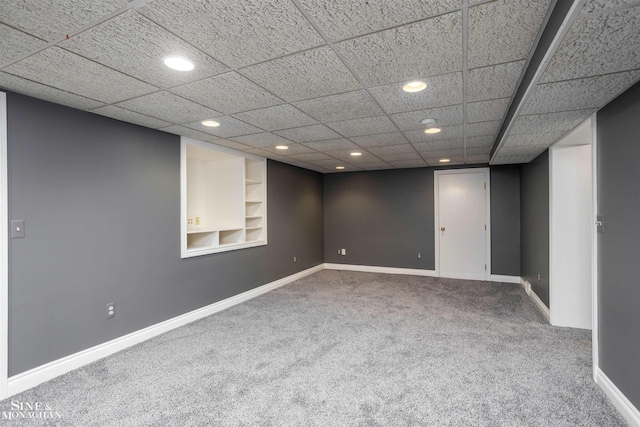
(345, 348)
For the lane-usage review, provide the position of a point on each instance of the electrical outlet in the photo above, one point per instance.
(339, 252)
(538, 276)
(344, 251)
(419, 255)
(111, 310)
(295, 259)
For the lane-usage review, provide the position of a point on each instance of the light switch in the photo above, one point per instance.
(17, 229)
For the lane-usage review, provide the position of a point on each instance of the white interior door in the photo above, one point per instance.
(462, 223)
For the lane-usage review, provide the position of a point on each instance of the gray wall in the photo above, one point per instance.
(384, 218)
(101, 201)
(534, 219)
(505, 220)
(619, 246)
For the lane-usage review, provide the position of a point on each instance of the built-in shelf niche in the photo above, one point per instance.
(223, 199)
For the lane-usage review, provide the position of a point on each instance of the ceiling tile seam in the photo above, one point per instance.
(465, 72)
(315, 25)
(132, 4)
(58, 89)
(116, 104)
(568, 21)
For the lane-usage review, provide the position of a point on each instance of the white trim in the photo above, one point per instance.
(4, 251)
(384, 270)
(594, 247)
(534, 297)
(618, 399)
(36, 376)
(505, 279)
(436, 216)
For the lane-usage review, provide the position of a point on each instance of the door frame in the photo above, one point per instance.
(436, 207)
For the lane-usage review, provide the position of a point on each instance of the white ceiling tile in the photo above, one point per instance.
(476, 151)
(331, 145)
(37, 90)
(485, 111)
(170, 107)
(328, 164)
(261, 140)
(400, 156)
(52, 20)
(344, 106)
(130, 116)
(437, 154)
(364, 126)
(307, 157)
(133, 45)
(190, 133)
(445, 144)
(345, 155)
(229, 93)
(477, 158)
(379, 140)
(597, 45)
(453, 161)
(408, 163)
(240, 32)
(72, 73)
(481, 141)
(599, 5)
(445, 116)
(496, 81)
(293, 149)
(340, 19)
(283, 116)
(258, 152)
(371, 166)
(581, 94)
(552, 122)
(448, 132)
(504, 30)
(308, 133)
(510, 160)
(441, 91)
(538, 138)
(483, 128)
(404, 50)
(392, 149)
(14, 43)
(228, 127)
(310, 74)
(522, 151)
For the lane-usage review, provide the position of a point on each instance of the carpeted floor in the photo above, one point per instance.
(346, 349)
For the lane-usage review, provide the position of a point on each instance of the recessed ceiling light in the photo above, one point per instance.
(339, 167)
(444, 160)
(282, 147)
(356, 154)
(415, 86)
(178, 63)
(210, 123)
(432, 130)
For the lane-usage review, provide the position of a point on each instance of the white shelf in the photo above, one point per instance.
(226, 190)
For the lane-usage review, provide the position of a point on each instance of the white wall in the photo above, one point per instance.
(570, 230)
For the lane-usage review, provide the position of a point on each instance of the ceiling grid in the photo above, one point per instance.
(325, 77)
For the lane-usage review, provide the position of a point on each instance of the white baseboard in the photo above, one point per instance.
(505, 279)
(376, 269)
(619, 400)
(26, 380)
(541, 306)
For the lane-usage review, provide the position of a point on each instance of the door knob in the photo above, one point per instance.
(441, 228)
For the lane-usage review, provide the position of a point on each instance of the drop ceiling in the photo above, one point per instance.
(325, 77)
